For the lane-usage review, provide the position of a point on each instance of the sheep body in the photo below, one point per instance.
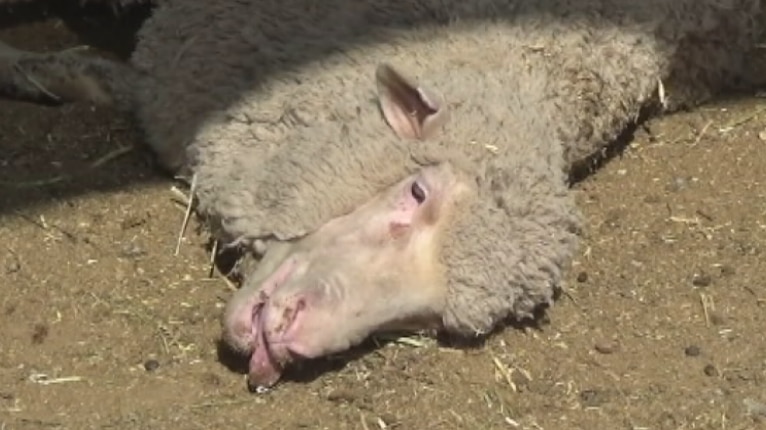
(548, 82)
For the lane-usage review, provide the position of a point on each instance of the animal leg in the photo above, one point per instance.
(66, 76)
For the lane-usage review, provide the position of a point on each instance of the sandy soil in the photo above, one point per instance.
(102, 326)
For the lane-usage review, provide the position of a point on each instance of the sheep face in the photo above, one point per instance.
(374, 268)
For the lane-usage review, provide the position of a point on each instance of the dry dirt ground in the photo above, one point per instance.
(102, 326)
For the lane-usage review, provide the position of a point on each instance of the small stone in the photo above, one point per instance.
(12, 267)
(710, 370)
(256, 389)
(151, 365)
(605, 347)
(701, 280)
(727, 270)
(692, 351)
(582, 277)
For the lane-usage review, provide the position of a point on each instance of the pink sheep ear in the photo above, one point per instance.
(412, 112)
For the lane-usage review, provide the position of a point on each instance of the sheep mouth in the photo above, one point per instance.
(267, 360)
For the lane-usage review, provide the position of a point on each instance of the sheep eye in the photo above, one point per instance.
(418, 193)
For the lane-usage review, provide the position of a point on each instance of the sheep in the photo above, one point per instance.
(418, 177)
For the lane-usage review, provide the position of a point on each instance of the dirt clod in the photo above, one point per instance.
(12, 266)
(605, 347)
(727, 270)
(582, 277)
(342, 395)
(151, 365)
(701, 280)
(692, 351)
(39, 333)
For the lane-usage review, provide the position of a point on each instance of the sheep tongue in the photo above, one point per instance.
(264, 371)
